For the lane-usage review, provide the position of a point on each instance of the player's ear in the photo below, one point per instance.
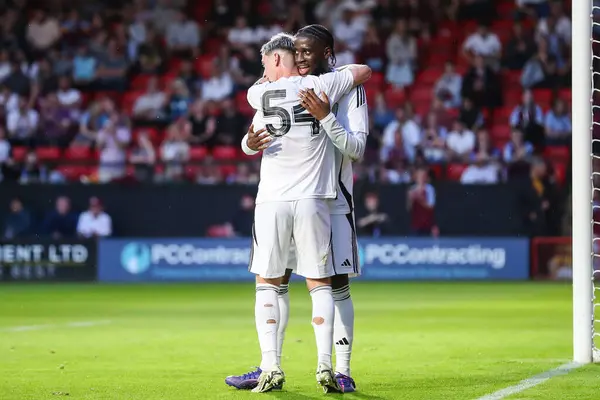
(277, 58)
(327, 53)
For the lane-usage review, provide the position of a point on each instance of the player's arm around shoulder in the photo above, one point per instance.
(360, 73)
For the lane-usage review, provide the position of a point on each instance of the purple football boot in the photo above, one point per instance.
(247, 381)
(346, 383)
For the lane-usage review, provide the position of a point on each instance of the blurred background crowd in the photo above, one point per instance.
(155, 89)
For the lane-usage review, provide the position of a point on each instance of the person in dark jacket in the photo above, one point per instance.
(18, 222)
(61, 222)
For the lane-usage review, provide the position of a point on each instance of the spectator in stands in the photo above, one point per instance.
(62, 221)
(5, 146)
(67, 95)
(448, 86)
(481, 171)
(183, 35)
(536, 8)
(149, 106)
(219, 86)
(89, 124)
(9, 101)
(94, 223)
(483, 146)
(519, 49)
(517, 149)
(372, 221)
(112, 69)
(17, 81)
(558, 123)
(203, 125)
(442, 116)
(112, 140)
(433, 146)
(372, 52)
(485, 44)
(409, 136)
(62, 62)
(241, 34)
(5, 67)
(343, 55)
(32, 171)
(248, 69)
(541, 69)
(178, 100)
(396, 172)
(461, 142)
(59, 122)
(481, 84)
(143, 157)
(231, 125)
(175, 151)
(243, 219)
(84, 66)
(209, 173)
(43, 32)
(381, 114)
(350, 28)
(421, 203)
(151, 54)
(401, 50)
(189, 76)
(18, 223)
(560, 19)
(470, 115)
(529, 118)
(22, 123)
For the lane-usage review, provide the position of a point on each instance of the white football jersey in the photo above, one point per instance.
(300, 161)
(353, 114)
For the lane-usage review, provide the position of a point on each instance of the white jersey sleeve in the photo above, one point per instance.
(350, 142)
(254, 95)
(336, 84)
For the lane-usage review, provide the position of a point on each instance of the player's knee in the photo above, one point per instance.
(271, 321)
(318, 320)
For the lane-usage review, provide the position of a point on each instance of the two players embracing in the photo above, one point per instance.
(305, 199)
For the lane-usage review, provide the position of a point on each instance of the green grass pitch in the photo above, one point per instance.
(425, 341)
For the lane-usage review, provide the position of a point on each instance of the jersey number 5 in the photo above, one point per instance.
(301, 117)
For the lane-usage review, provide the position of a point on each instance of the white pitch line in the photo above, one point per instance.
(80, 324)
(531, 382)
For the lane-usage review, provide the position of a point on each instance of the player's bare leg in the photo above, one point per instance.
(343, 331)
(322, 322)
(266, 313)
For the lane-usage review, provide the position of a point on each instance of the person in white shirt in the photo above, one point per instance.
(483, 43)
(448, 87)
(482, 171)
(94, 222)
(241, 34)
(174, 151)
(411, 136)
(562, 23)
(149, 105)
(67, 95)
(22, 123)
(294, 207)
(112, 140)
(350, 30)
(219, 86)
(4, 147)
(183, 35)
(460, 142)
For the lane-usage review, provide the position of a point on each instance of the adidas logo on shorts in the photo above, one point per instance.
(346, 263)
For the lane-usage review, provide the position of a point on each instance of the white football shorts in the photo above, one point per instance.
(306, 222)
(344, 247)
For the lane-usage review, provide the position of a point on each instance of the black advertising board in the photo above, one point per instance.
(47, 260)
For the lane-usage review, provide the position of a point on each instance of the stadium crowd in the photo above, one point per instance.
(154, 90)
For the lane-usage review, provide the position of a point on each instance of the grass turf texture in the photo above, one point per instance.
(413, 341)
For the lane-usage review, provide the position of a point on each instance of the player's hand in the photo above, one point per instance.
(317, 107)
(258, 140)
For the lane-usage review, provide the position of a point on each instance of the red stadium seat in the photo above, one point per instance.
(560, 172)
(242, 105)
(19, 153)
(154, 134)
(75, 172)
(227, 169)
(198, 153)
(543, 97)
(129, 99)
(140, 82)
(502, 116)
(513, 96)
(557, 153)
(566, 95)
(79, 153)
(395, 98)
(421, 94)
(454, 171)
(224, 153)
(501, 132)
(430, 76)
(204, 65)
(512, 79)
(48, 153)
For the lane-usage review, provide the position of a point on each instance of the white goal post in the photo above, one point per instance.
(584, 349)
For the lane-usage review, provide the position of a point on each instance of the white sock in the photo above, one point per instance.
(284, 316)
(343, 329)
(322, 322)
(266, 314)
